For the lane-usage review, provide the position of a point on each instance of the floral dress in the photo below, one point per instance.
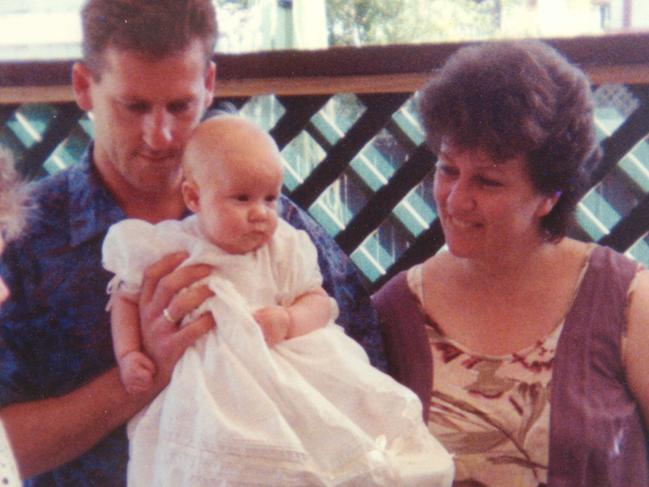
(491, 412)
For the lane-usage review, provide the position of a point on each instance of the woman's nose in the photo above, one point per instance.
(460, 196)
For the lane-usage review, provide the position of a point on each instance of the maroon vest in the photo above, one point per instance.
(597, 435)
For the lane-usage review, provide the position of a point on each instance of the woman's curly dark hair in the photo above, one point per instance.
(518, 98)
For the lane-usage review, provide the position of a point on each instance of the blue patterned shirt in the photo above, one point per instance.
(55, 332)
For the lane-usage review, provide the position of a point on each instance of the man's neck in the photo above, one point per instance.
(162, 201)
(154, 208)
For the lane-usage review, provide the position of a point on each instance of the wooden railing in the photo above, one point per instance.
(355, 156)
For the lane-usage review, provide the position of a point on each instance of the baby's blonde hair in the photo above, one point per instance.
(222, 128)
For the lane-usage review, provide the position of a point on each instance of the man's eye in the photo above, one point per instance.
(178, 107)
(137, 107)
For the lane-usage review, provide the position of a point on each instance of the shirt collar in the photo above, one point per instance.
(92, 207)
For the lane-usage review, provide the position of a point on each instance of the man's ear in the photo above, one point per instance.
(191, 195)
(81, 84)
(210, 82)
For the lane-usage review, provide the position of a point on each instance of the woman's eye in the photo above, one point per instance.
(446, 170)
(492, 183)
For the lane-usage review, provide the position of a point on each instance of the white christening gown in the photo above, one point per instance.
(310, 411)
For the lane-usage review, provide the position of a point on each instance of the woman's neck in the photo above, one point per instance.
(512, 268)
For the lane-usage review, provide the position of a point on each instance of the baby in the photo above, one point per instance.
(277, 394)
(233, 193)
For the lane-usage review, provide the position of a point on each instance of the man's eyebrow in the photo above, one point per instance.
(183, 99)
(137, 99)
(131, 99)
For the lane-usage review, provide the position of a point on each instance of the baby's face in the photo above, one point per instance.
(238, 204)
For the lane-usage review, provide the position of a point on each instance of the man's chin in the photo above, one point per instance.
(170, 160)
(157, 182)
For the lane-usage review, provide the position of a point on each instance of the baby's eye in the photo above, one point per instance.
(242, 197)
(271, 198)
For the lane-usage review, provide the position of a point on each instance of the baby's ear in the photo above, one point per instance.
(191, 195)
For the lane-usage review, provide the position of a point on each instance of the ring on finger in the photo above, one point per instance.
(168, 317)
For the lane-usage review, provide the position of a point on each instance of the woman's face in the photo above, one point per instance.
(4, 290)
(487, 208)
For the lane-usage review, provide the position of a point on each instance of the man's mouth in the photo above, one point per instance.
(157, 156)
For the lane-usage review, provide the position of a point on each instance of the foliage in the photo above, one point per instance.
(359, 22)
(363, 22)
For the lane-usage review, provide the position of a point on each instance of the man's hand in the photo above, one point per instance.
(275, 322)
(163, 340)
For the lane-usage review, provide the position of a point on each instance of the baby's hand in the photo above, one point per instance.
(136, 371)
(274, 322)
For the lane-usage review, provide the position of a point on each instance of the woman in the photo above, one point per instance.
(525, 346)
(13, 197)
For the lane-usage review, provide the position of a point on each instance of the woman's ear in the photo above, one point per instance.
(191, 195)
(81, 85)
(547, 203)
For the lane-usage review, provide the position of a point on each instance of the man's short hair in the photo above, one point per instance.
(154, 28)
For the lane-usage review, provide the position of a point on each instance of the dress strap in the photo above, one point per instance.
(595, 422)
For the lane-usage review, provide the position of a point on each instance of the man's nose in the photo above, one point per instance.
(158, 129)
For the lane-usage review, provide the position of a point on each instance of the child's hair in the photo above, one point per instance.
(14, 197)
(190, 164)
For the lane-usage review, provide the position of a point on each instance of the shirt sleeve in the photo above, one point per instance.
(129, 247)
(132, 245)
(296, 263)
(342, 282)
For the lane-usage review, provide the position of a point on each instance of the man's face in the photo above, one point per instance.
(143, 111)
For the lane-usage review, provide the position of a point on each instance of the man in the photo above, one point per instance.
(147, 78)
